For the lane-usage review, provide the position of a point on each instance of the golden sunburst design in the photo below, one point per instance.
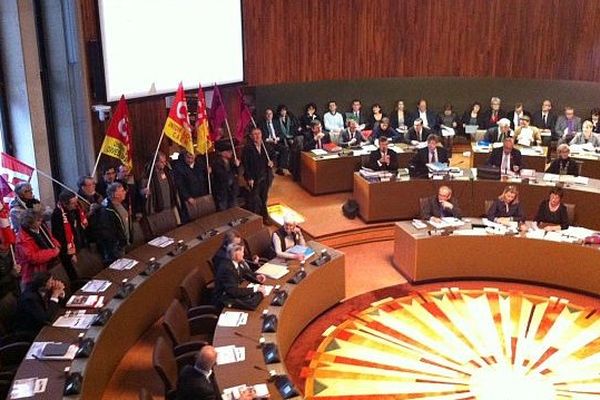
(461, 344)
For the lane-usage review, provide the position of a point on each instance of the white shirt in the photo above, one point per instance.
(505, 167)
(423, 116)
(333, 122)
(526, 136)
(433, 157)
(271, 129)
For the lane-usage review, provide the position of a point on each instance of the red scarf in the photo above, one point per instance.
(69, 237)
(82, 216)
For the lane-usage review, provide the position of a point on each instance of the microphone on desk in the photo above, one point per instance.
(73, 380)
(258, 342)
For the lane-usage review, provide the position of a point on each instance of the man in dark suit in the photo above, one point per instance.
(38, 304)
(428, 118)
(383, 159)
(191, 179)
(491, 116)
(418, 132)
(316, 138)
(258, 173)
(515, 115)
(225, 176)
(275, 141)
(442, 205)
(231, 273)
(498, 133)
(567, 125)
(507, 158)
(433, 153)
(356, 113)
(545, 120)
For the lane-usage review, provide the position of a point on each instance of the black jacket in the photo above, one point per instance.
(191, 182)
(376, 155)
(310, 143)
(496, 158)
(569, 164)
(34, 312)
(228, 281)
(418, 164)
(193, 385)
(224, 177)
(498, 210)
(432, 208)
(255, 164)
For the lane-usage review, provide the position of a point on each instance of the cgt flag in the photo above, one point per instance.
(177, 128)
(245, 117)
(117, 142)
(203, 140)
(14, 171)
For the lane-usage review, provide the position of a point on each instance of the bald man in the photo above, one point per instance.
(442, 205)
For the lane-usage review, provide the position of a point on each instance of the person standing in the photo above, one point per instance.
(161, 194)
(225, 176)
(191, 179)
(258, 173)
(112, 232)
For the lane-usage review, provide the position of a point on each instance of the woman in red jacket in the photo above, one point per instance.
(36, 248)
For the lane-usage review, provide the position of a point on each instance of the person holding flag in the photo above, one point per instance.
(9, 270)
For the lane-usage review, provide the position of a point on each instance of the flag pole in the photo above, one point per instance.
(96, 164)
(208, 171)
(12, 253)
(62, 185)
(154, 160)
(231, 140)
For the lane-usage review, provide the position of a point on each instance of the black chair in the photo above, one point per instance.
(167, 366)
(188, 334)
(194, 295)
(204, 205)
(157, 224)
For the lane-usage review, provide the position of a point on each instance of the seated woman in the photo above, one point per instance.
(36, 248)
(310, 115)
(286, 237)
(472, 115)
(399, 117)
(552, 214)
(230, 275)
(375, 117)
(563, 164)
(587, 135)
(595, 120)
(384, 129)
(38, 304)
(506, 207)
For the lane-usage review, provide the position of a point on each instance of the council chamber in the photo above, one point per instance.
(342, 199)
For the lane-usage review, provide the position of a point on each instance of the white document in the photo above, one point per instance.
(86, 301)
(578, 232)
(267, 288)
(230, 354)
(448, 132)
(452, 221)
(233, 393)
(554, 236)
(232, 318)
(369, 147)
(550, 177)
(96, 286)
(471, 129)
(273, 271)
(24, 388)
(37, 348)
(535, 234)
(418, 224)
(469, 232)
(82, 321)
(161, 241)
(318, 152)
(123, 264)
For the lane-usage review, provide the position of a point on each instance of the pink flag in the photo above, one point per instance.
(218, 113)
(245, 117)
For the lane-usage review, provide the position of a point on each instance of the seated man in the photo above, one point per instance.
(286, 237)
(275, 142)
(507, 158)
(567, 125)
(433, 153)
(527, 135)
(230, 274)
(316, 138)
(500, 132)
(351, 136)
(442, 205)
(383, 159)
(418, 132)
(38, 305)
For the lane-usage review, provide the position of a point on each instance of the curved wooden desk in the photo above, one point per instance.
(322, 288)
(399, 200)
(420, 257)
(133, 315)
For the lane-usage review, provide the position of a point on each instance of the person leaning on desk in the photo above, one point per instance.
(552, 213)
(506, 208)
(383, 159)
(433, 153)
(440, 206)
(507, 158)
(563, 164)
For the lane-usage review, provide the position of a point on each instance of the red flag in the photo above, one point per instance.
(117, 142)
(14, 171)
(218, 113)
(177, 127)
(7, 235)
(245, 117)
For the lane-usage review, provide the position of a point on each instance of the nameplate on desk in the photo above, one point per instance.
(161, 242)
(208, 234)
(29, 387)
(237, 221)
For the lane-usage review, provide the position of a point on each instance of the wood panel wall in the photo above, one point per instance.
(310, 40)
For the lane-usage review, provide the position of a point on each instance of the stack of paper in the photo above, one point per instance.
(23, 388)
(318, 152)
(447, 222)
(96, 286)
(273, 271)
(86, 301)
(233, 393)
(77, 320)
(578, 232)
(123, 264)
(267, 288)
(161, 241)
(297, 249)
(230, 354)
(232, 318)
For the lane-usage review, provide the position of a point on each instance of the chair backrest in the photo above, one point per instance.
(422, 203)
(159, 223)
(89, 263)
(144, 394)
(192, 288)
(204, 205)
(176, 324)
(8, 309)
(488, 205)
(138, 234)
(260, 243)
(579, 164)
(570, 212)
(165, 365)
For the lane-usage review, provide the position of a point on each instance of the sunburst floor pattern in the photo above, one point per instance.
(448, 344)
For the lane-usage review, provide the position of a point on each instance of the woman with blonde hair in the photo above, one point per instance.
(506, 207)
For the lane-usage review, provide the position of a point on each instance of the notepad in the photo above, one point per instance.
(233, 393)
(96, 286)
(232, 318)
(230, 354)
(29, 387)
(273, 271)
(82, 321)
(318, 152)
(298, 249)
(161, 241)
(267, 288)
(123, 264)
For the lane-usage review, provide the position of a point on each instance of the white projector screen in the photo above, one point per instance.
(149, 46)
